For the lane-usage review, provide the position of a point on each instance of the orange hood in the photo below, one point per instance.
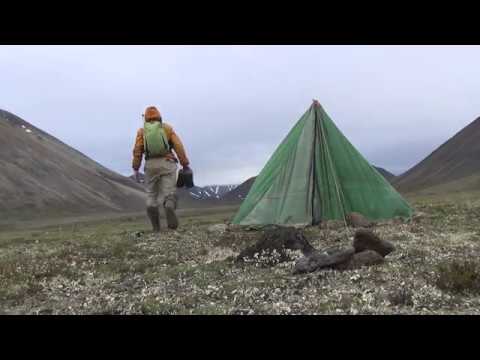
(152, 114)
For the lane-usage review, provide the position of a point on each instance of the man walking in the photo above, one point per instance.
(156, 140)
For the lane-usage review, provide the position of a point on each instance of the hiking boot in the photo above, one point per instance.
(154, 217)
(170, 204)
(172, 220)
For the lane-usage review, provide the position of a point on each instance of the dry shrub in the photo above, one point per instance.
(458, 276)
(401, 297)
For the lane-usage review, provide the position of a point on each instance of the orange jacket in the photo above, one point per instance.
(173, 140)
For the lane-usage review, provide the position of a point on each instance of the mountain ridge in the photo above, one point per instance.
(43, 176)
(455, 159)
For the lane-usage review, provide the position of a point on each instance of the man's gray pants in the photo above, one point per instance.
(161, 182)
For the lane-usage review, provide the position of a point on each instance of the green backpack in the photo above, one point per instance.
(155, 139)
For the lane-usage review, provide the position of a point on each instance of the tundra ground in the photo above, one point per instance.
(117, 267)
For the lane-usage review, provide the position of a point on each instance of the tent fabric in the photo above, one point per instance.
(316, 174)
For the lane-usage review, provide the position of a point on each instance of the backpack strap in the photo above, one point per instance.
(164, 137)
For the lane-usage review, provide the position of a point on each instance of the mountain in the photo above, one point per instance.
(141, 177)
(42, 176)
(188, 196)
(210, 191)
(386, 174)
(241, 191)
(454, 166)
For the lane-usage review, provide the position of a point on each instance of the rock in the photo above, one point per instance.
(397, 220)
(278, 239)
(357, 220)
(138, 234)
(234, 228)
(365, 258)
(418, 216)
(367, 240)
(217, 228)
(45, 311)
(329, 258)
(309, 264)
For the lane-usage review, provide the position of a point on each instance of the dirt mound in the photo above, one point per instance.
(274, 243)
(365, 258)
(329, 258)
(272, 248)
(367, 240)
(367, 250)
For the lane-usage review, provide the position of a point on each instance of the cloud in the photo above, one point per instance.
(232, 105)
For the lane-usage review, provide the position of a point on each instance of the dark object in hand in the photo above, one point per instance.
(185, 178)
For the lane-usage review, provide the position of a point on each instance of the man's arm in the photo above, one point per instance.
(138, 153)
(179, 148)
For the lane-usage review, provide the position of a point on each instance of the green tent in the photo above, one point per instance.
(316, 174)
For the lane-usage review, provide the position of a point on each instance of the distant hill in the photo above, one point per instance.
(210, 191)
(386, 174)
(453, 166)
(141, 177)
(198, 195)
(41, 176)
(241, 191)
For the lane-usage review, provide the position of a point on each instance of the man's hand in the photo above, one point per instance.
(137, 176)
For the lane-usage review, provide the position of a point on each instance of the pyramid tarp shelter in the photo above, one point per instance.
(316, 174)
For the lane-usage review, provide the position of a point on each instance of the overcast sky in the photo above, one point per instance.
(232, 105)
